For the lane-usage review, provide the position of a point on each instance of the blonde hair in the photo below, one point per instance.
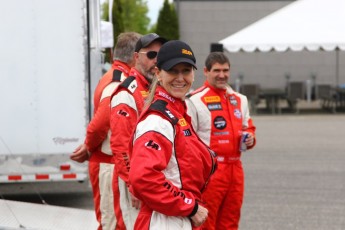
(152, 91)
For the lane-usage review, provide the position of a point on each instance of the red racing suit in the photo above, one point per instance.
(219, 117)
(101, 163)
(170, 165)
(126, 104)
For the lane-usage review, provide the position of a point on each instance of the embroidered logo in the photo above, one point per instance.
(233, 101)
(169, 114)
(166, 96)
(144, 93)
(182, 122)
(153, 145)
(214, 106)
(187, 132)
(219, 122)
(212, 99)
(184, 51)
(237, 113)
(123, 113)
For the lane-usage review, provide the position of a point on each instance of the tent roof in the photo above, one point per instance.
(305, 24)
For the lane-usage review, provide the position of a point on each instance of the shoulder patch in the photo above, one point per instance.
(161, 106)
(129, 83)
(117, 75)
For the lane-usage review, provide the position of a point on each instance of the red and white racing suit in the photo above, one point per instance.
(170, 165)
(101, 163)
(219, 117)
(126, 104)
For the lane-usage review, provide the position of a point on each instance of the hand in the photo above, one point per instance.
(135, 202)
(200, 216)
(249, 140)
(80, 154)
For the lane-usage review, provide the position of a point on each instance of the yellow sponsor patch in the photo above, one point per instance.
(184, 51)
(182, 122)
(144, 93)
(212, 99)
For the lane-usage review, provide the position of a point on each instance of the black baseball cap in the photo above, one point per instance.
(175, 52)
(147, 39)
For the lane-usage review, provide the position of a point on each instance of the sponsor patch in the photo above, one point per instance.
(221, 133)
(182, 122)
(219, 122)
(188, 52)
(233, 101)
(166, 96)
(123, 113)
(188, 200)
(144, 93)
(153, 145)
(187, 132)
(223, 141)
(168, 112)
(212, 99)
(132, 86)
(214, 106)
(237, 113)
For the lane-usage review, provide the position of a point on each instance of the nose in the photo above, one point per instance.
(179, 76)
(222, 74)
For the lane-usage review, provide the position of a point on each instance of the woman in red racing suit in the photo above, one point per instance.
(170, 165)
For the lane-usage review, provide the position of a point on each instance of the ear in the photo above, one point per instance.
(158, 74)
(135, 56)
(205, 71)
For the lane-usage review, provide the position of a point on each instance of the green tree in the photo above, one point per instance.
(127, 15)
(134, 16)
(117, 19)
(117, 23)
(167, 23)
(105, 11)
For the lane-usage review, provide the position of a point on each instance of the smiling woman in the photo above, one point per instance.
(175, 65)
(170, 165)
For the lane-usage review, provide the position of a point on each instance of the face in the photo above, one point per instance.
(218, 75)
(178, 80)
(144, 64)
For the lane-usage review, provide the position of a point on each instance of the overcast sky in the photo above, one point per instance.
(154, 6)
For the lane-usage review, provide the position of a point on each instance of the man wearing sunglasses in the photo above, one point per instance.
(126, 105)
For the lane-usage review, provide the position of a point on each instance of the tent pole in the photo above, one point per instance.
(337, 66)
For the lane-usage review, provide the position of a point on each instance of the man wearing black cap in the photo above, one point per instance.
(126, 105)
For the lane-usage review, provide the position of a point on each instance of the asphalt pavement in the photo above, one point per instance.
(294, 177)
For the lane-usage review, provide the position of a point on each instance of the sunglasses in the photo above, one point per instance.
(150, 54)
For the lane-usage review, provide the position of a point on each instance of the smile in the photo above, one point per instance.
(179, 86)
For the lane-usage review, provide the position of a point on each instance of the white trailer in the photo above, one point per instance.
(50, 60)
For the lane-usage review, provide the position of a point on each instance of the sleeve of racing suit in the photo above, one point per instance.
(98, 127)
(154, 174)
(122, 121)
(248, 125)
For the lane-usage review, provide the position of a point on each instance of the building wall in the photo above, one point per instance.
(209, 21)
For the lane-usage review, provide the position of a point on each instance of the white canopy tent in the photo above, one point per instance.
(302, 25)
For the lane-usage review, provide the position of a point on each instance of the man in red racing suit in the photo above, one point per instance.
(220, 116)
(96, 147)
(126, 105)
